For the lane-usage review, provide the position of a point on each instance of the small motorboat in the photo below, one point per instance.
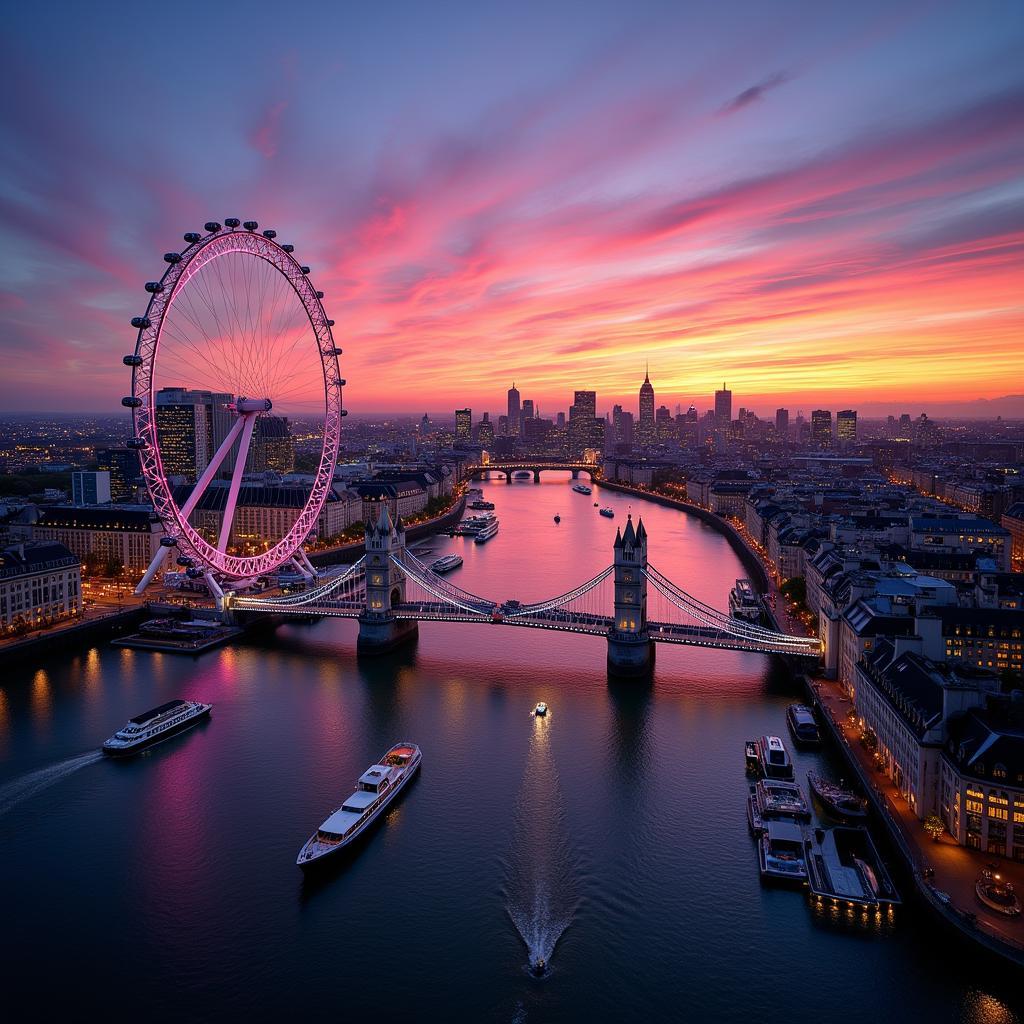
(752, 758)
(539, 966)
(996, 894)
(558, 518)
(541, 709)
(595, 504)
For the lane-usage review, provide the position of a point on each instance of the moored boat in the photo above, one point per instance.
(581, 489)
(481, 505)
(752, 757)
(802, 725)
(377, 787)
(773, 758)
(486, 532)
(446, 564)
(839, 802)
(155, 726)
(773, 800)
(608, 513)
(843, 866)
(780, 852)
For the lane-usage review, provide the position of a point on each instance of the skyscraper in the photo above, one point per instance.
(485, 430)
(526, 413)
(821, 427)
(584, 405)
(463, 426)
(123, 466)
(782, 423)
(513, 409)
(273, 448)
(846, 427)
(723, 407)
(645, 424)
(560, 421)
(191, 426)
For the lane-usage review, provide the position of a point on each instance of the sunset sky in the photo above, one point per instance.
(817, 203)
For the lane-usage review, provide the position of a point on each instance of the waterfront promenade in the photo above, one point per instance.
(944, 873)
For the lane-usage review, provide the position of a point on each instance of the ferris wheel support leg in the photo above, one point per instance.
(193, 499)
(154, 568)
(248, 421)
(304, 565)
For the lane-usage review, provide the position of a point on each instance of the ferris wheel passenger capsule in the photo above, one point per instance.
(131, 402)
(330, 323)
(231, 222)
(288, 248)
(305, 270)
(192, 237)
(154, 287)
(212, 226)
(168, 540)
(194, 573)
(136, 443)
(172, 257)
(250, 225)
(141, 322)
(270, 233)
(319, 295)
(132, 360)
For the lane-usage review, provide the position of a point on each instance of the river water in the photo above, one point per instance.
(609, 839)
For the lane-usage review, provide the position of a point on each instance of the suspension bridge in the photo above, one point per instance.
(390, 590)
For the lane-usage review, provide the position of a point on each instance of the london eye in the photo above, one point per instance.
(234, 359)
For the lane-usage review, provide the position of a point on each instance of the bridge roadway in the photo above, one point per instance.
(534, 466)
(553, 619)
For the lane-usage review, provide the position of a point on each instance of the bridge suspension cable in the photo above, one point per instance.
(563, 599)
(441, 588)
(715, 619)
(350, 582)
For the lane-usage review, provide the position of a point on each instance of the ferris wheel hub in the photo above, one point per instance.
(250, 405)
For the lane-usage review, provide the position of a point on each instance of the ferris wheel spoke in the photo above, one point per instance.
(236, 479)
(211, 470)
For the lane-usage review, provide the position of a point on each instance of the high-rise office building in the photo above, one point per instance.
(663, 425)
(124, 468)
(584, 405)
(502, 426)
(905, 427)
(463, 426)
(424, 425)
(485, 431)
(645, 424)
(846, 427)
(191, 425)
(560, 421)
(821, 427)
(90, 488)
(723, 407)
(273, 447)
(514, 409)
(527, 412)
(691, 414)
(782, 423)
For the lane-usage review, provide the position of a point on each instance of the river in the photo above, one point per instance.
(609, 838)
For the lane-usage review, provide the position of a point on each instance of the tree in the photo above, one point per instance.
(934, 826)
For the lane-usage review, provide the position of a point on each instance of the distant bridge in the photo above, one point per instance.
(390, 590)
(534, 466)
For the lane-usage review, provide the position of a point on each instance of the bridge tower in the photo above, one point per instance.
(379, 629)
(630, 650)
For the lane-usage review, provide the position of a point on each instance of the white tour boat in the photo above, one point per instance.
(446, 564)
(377, 787)
(581, 488)
(155, 726)
(486, 533)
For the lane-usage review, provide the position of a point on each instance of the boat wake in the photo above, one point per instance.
(25, 787)
(541, 894)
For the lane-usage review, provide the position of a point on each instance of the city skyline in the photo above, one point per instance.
(772, 215)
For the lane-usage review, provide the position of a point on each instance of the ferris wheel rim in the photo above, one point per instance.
(201, 251)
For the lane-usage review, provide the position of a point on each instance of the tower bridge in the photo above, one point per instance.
(389, 591)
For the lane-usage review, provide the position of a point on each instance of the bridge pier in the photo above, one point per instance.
(630, 657)
(536, 476)
(379, 635)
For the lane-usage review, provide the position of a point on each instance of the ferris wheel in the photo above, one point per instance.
(235, 347)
